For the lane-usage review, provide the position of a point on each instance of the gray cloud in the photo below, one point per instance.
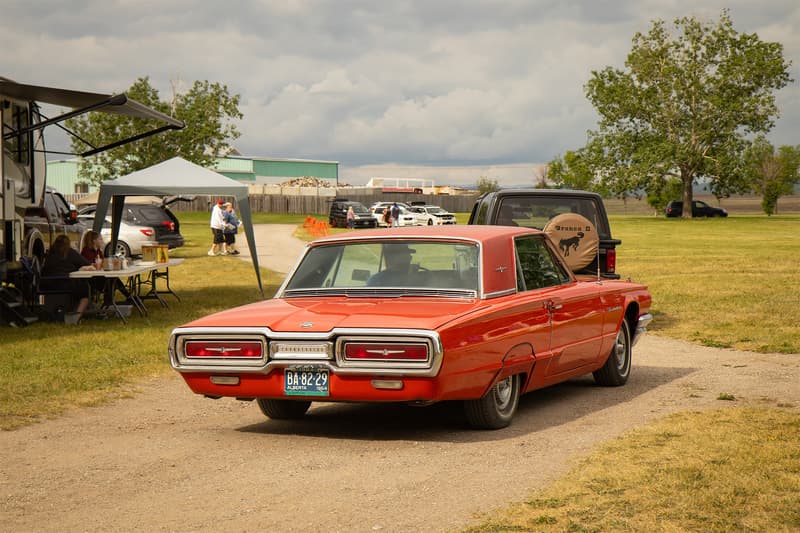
(445, 83)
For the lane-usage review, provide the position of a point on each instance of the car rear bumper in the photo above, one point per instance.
(641, 327)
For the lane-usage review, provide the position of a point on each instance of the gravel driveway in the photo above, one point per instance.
(165, 459)
(168, 460)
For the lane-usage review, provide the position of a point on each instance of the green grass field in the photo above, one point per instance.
(722, 282)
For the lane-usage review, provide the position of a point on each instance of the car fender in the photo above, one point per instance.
(518, 360)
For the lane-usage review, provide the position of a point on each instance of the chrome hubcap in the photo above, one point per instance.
(502, 393)
(621, 351)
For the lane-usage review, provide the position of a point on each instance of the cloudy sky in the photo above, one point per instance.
(438, 89)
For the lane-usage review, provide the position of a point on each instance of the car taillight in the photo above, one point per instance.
(168, 224)
(611, 261)
(374, 351)
(209, 348)
(146, 231)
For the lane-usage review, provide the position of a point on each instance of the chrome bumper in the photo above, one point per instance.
(641, 327)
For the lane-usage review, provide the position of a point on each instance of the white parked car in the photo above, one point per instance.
(407, 218)
(432, 215)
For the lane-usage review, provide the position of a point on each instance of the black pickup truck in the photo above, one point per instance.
(53, 218)
(575, 220)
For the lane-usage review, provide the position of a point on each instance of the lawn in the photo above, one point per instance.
(721, 282)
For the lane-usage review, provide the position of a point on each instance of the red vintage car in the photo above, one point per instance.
(479, 314)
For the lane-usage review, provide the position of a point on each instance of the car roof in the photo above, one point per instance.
(497, 256)
(476, 233)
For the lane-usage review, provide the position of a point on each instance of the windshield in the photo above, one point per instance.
(396, 264)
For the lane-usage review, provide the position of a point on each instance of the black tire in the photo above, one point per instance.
(430, 222)
(617, 368)
(283, 409)
(497, 407)
(122, 249)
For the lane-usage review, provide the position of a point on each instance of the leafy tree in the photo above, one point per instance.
(208, 110)
(487, 185)
(573, 171)
(772, 173)
(662, 192)
(684, 106)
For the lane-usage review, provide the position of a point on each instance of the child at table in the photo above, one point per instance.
(93, 252)
(93, 249)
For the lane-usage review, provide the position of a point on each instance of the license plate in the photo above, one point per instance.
(305, 382)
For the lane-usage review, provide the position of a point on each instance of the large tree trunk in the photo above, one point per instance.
(687, 177)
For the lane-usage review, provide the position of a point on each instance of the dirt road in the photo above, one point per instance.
(168, 460)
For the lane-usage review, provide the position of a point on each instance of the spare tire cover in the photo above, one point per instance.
(575, 237)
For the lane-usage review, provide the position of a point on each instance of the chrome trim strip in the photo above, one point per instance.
(498, 294)
(261, 366)
(178, 357)
(342, 362)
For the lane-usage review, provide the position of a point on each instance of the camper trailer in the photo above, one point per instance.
(31, 216)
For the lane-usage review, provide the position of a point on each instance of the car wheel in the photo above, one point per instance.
(617, 368)
(122, 250)
(430, 222)
(497, 407)
(283, 409)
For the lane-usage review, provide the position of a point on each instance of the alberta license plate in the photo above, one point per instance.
(305, 382)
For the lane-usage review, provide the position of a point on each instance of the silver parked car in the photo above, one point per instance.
(130, 239)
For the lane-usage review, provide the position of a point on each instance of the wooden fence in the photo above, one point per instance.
(319, 204)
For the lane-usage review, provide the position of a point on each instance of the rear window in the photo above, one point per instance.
(147, 215)
(536, 212)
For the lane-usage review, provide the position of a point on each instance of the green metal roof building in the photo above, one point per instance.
(264, 170)
(63, 175)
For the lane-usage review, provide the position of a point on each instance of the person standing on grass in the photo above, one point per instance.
(217, 225)
(229, 231)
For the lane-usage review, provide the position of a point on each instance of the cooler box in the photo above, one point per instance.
(155, 253)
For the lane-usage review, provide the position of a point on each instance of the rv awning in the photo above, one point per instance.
(117, 104)
(82, 102)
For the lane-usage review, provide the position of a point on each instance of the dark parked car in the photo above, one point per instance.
(338, 214)
(166, 228)
(699, 209)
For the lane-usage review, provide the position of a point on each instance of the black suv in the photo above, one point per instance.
(699, 209)
(167, 229)
(534, 208)
(338, 214)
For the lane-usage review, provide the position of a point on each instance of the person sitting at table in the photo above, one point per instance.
(93, 248)
(93, 252)
(58, 263)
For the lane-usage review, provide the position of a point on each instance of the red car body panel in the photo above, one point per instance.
(546, 335)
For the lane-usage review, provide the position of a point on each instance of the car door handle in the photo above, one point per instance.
(554, 306)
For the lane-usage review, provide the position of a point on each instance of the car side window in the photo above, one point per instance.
(537, 265)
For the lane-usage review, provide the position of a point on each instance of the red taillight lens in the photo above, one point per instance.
(360, 351)
(168, 224)
(611, 261)
(147, 232)
(224, 349)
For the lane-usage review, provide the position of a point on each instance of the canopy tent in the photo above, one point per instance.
(174, 176)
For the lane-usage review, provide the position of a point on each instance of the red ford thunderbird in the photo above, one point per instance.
(479, 314)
